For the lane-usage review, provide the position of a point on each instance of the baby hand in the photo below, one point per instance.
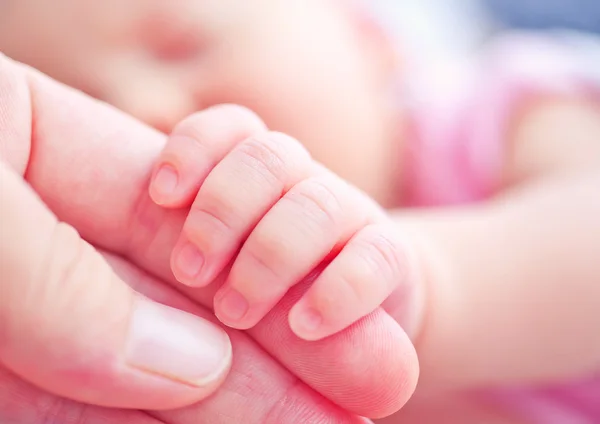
(260, 202)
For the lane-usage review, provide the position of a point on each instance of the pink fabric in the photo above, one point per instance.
(456, 154)
(575, 403)
(457, 151)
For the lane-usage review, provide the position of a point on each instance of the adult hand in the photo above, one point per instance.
(67, 320)
(67, 323)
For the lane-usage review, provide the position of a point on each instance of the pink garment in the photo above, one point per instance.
(459, 140)
(457, 151)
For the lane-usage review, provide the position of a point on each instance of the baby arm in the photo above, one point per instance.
(545, 96)
(554, 135)
(512, 284)
(512, 287)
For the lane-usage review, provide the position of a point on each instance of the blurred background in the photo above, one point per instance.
(583, 15)
(465, 23)
(322, 71)
(48, 33)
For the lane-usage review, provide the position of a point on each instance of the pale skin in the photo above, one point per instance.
(260, 191)
(62, 344)
(455, 230)
(260, 203)
(532, 300)
(543, 166)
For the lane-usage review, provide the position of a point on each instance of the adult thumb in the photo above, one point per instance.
(69, 325)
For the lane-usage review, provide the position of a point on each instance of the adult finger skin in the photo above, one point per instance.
(68, 324)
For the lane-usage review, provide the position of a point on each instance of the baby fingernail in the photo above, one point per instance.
(189, 262)
(165, 181)
(176, 345)
(308, 320)
(232, 306)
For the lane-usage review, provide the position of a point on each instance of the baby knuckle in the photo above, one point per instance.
(383, 254)
(271, 252)
(272, 244)
(273, 156)
(291, 147)
(195, 131)
(190, 123)
(357, 288)
(201, 131)
(213, 217)
(263, 154)
(319, 201)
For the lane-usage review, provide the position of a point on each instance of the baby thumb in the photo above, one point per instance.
(69, 325)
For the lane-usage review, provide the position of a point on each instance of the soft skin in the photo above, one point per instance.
(65, 143)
